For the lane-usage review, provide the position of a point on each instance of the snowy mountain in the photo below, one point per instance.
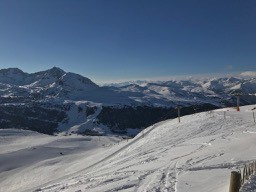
(54, 100)
(195, 155)
(191, 92)
(249, 74)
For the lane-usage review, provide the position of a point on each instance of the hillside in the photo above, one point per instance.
(197, 154)
(54, 101)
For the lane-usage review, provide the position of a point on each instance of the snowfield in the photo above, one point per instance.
(196, 155)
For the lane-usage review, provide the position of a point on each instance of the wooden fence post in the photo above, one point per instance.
(243, 178)
(235, 181)
(178, 113)
(253, 116)
(246, 172)
(238, 102)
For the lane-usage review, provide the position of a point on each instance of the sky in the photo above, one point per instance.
(110, 40)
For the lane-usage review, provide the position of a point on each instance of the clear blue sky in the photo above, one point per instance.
(129, 39)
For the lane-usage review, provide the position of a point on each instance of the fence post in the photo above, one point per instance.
(235, 181)
(178, 113)
(246, 172)
(238, 102)
(243, 179)
(253, 116)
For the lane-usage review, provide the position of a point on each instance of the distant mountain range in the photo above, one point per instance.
(55, 100)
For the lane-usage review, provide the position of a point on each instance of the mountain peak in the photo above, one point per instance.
(76, 79)
(56, 69)
(9, 71)
(55, 72)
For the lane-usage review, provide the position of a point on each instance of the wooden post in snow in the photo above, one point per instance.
(253, 116)
(178, 113)
(235, 181)
(224, 114)
(238, 95)
(237, 102)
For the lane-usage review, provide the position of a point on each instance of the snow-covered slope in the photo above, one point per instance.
(29, 158)
(55, 84)
(249, 74)
(195, 155)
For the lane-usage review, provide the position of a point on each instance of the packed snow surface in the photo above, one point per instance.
(195, 155)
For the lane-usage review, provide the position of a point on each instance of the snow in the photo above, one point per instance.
(197, 154)
(78, 120)
(28, 158)
(249, 74)
(56, 84)
(250, 185)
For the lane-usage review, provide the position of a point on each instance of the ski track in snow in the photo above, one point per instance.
(105, 159)
(167, 181)
(168, 156)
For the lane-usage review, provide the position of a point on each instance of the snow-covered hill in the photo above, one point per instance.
(54, 84)
(191, 91)
(55, 100)
(58, 84)
(195, 155)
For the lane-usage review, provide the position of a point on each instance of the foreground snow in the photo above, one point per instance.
(195, 155)
(250, 185)
(28, 159)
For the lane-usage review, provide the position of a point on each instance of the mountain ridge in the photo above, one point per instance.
(78, 102)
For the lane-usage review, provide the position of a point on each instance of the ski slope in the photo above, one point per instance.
(28, 159)
(195, 155)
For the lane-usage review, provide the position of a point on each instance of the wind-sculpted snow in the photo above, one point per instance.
(195, 155)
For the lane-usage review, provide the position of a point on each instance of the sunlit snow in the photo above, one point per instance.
(195, 155)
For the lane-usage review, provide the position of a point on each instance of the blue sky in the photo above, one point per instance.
(109, 40)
